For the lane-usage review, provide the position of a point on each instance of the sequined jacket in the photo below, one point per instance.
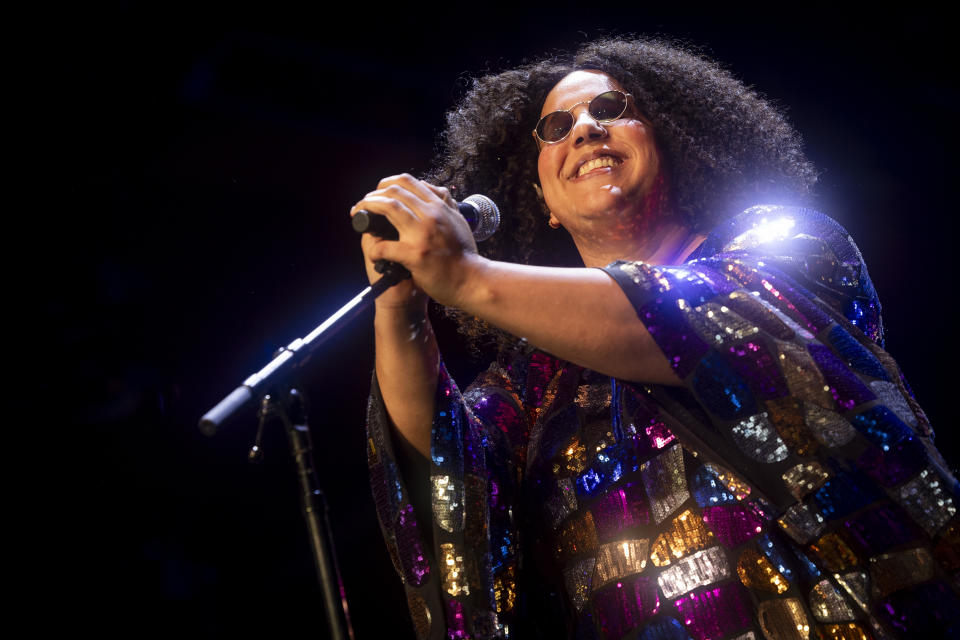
(789, 489)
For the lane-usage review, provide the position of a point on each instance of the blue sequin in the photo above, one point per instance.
(670, 629)
(723, 391)
(881, 426)
(607, 469)
(707, 489)
(843, 494)
(806, 566)
(775, 555)
(854, 353)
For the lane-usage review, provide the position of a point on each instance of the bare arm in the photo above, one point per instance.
(580, 315)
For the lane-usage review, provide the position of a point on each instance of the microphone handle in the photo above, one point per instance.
(365, 222)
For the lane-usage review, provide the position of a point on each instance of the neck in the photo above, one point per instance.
(670, 243)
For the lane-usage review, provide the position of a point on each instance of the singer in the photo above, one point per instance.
(693, 433)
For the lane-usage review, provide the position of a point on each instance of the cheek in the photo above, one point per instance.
(548, 169)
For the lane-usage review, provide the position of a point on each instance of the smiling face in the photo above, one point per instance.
(599, 181)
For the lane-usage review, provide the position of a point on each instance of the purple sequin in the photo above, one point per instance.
(540, 372)
(625, 605)
(847, 389)
(456, 621)
(413, 560)
(880, 529)
(678, 341)
(903, 461)
(714, 613)
(623, 507)
(817, 320)
(502, 412)
(732, 523)
(928, 611)
(716, 280)
(753, 361)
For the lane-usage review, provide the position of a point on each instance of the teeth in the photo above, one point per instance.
(590, 165)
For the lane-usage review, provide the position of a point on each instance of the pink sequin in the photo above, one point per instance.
(714, 613)
(732, 523)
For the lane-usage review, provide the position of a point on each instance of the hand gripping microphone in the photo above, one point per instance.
(479, 211)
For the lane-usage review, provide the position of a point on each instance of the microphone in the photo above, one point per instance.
(479, 211)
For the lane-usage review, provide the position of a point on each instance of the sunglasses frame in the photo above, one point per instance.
(568, 110)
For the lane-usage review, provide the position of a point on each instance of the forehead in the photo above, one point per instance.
(579, 86)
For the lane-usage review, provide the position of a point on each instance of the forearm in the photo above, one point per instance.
(580, 315)
(407, 365)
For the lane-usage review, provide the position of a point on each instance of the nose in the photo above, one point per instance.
(586, 128)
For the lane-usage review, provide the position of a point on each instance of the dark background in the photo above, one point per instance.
(199, 169)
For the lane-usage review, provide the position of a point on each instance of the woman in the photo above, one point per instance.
(716, 449)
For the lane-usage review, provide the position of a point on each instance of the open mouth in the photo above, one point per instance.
(597, 163)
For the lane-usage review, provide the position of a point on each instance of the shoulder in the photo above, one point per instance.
(809, 246)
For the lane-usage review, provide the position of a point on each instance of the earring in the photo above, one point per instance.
(553, 223)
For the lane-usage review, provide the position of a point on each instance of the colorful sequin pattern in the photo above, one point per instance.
(787, 490)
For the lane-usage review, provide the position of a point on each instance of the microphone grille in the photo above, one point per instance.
(488, 216)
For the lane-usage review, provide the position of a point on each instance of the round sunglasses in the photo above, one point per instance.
(606, 107)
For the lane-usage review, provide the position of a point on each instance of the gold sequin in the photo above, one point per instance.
(618, 559)
(575, 457)
(686, 534)
(373, 456)
(894, 571)
(851, 631)
(594, 398)
(834, 552)
(451, 570)
(805, 478)
(734, 483)
(828, 605)
(577, 536)
(828, 427)
(717, 323)
(783, 619)
(447, 506)
(420, 614)
(756, 572)
(698, 570)
(803, 377)
(787, 417)
(505, 589)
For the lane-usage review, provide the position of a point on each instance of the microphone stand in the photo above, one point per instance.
(272, 388)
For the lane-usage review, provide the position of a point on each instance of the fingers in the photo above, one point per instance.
(404, 201)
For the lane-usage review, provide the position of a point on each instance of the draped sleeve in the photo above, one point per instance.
(775, 332)
(460, 568)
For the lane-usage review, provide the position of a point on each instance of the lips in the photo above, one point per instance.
(596, 161)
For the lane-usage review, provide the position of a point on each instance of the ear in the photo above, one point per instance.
(553, 222)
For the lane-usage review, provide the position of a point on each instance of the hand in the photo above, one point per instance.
(435, 242)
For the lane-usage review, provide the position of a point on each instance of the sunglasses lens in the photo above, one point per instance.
(554, 126)
(608, 106)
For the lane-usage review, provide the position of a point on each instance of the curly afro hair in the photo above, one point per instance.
(723, 147)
